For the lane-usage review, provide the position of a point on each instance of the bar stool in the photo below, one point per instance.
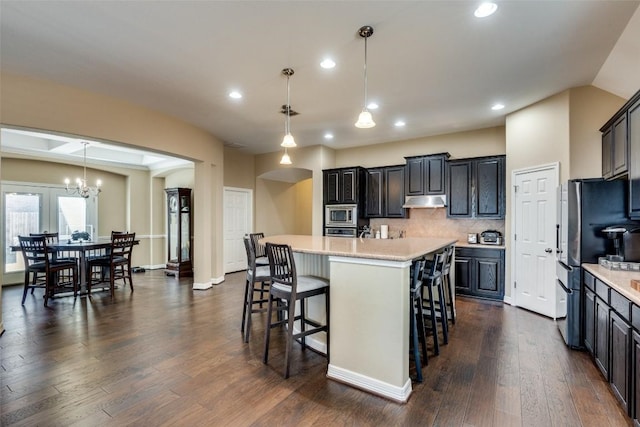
(417, 336)
(432, 278)
(255, 274)
(288, 287)
(448, 285)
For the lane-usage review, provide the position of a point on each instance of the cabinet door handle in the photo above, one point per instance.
(548, 250)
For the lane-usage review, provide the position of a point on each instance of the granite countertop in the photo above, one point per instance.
(405, 249)
(463, 244)
(616, 279)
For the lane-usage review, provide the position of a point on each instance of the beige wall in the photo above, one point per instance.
(239, 169)
(563, 128)
(307, 162)
(303, 207)
(39, 104)
(589, 109)
(482, 142)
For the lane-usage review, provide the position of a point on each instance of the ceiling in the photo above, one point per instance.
(431, 64)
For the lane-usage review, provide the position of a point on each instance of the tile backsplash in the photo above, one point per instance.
(434, 223)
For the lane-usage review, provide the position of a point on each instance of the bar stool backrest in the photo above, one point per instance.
(282, 266)
(258, 249)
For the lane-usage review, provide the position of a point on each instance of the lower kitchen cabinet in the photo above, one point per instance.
(635, 371)
(589, 319)
(601, 352)
(614, 341)
(479, 272)
(620, 332)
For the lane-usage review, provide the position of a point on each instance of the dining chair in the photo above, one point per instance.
(259, 249)
(47, 270)
(288, 288)
(255, 275)
(115, 265)
(53, 238)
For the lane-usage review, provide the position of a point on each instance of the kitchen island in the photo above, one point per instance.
(369, 314)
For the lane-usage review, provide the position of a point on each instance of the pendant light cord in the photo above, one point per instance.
(364, 107)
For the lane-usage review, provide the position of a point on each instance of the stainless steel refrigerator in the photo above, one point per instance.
(586, 206)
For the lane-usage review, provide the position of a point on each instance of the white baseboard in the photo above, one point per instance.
(372, 385)
(202, 286)
(217, 280)
(509, 300)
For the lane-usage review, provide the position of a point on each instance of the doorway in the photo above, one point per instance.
(237, 221)
(534, 196)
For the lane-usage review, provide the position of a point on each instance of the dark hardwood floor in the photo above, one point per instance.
(168, 355)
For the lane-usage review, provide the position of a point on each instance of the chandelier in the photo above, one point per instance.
(81, 188)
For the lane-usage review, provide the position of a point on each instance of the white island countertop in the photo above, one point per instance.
(405, 249)
(616, 279)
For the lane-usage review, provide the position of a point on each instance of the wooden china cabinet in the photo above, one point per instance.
(179, 232)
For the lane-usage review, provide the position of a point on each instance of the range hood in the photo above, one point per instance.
(413, 202)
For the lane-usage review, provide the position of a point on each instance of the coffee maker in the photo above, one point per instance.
(626, 242)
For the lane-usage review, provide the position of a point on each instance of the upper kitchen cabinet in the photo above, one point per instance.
(621, 150)
(614, 148)
(385, 192)
(634, 159)
(343, 186)
(425, 175)
(476, 188)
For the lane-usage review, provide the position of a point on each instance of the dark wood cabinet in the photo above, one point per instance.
(425, 175)
(459, 189)
(479, 272)
(612, 336)
(179, 232)
(607, 151)
(385, 192)
(615, 148)
(589, 319)
(621, 150)
(619, 370)
(343, 186)
(601, 324)
(620, 147)
(633, 135)
(476, 188)
(635, 375)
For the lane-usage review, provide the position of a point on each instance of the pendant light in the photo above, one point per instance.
(288, 141)
(364, 119)
(286, 160)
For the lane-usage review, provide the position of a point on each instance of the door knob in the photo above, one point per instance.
(548, 250)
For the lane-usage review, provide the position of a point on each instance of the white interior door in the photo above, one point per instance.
(238, 220)
(534, 273)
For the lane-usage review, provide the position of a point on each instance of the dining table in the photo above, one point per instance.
(84, 249)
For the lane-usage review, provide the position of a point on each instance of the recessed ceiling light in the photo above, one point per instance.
(372, 106)
(327, 63)
(496, 107)
(235, 94)
(399, 123)
(328, 135)
(485, 9)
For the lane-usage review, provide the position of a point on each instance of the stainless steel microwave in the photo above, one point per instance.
(341, 216)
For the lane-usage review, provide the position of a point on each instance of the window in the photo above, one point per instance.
(33, 208)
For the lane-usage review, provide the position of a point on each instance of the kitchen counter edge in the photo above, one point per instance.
(616, 279)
